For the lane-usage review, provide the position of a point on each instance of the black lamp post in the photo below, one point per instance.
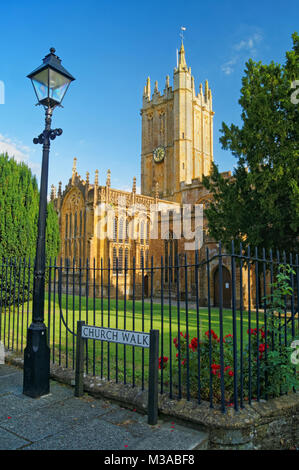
(50, 82)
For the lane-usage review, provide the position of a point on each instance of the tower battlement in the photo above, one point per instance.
(202, 98)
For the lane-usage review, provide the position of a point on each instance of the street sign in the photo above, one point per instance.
(112, 335)
(129, 338)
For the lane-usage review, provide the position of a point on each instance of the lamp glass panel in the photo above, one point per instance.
(58, 85)
(40, 83)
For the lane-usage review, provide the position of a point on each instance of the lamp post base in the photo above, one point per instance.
(36, 362)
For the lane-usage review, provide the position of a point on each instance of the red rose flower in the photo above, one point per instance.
(212, 333)
(193, 345)
(263, 334)
(262, 347)
(163, 361)
(252, 331)
(227, 336)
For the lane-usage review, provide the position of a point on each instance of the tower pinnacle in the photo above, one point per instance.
(182, 60)
(147, 89)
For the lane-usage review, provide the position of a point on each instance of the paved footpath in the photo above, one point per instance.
(60, 421)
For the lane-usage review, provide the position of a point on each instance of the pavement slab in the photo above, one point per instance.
(10, 381)
(60, 421)
(94, 435)
(9, 441)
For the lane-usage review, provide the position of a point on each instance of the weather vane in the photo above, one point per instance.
(182, 33)
(182, 38)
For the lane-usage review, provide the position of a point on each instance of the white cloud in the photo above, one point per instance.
(19, 152)
(248, 44)
(241, 51)
(228, 68)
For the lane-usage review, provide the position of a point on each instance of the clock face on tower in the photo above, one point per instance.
(159, 154)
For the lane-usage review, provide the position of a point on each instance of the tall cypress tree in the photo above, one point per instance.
(19, 204)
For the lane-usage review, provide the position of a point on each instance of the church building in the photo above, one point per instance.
(176, 152)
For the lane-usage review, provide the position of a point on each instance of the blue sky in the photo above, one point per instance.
(111, 47)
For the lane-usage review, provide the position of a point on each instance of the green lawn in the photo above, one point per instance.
(136, 316)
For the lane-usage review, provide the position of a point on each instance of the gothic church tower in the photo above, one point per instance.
(177, 134)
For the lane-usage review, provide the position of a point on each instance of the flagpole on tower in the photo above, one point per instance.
(182, 33)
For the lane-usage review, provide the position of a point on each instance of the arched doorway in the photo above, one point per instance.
(226, 287)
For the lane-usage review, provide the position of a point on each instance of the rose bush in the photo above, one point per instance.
(203, 356)
(266, 371)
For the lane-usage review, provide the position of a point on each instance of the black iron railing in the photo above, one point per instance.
(218, 326)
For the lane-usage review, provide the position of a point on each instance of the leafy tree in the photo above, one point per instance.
(259, 204)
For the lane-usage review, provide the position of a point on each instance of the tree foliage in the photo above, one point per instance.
(19, 203)
(19, 206)
(259, 204)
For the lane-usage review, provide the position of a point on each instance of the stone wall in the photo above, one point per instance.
(264, 425)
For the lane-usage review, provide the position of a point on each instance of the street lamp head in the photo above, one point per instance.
(50, 81)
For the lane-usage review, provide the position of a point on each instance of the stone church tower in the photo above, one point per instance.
(177, 134)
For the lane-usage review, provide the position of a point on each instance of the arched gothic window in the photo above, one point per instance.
(115, 229)
(121, 234)
(142, 238)
(127, 257)
(120, 260)
(127, 231)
